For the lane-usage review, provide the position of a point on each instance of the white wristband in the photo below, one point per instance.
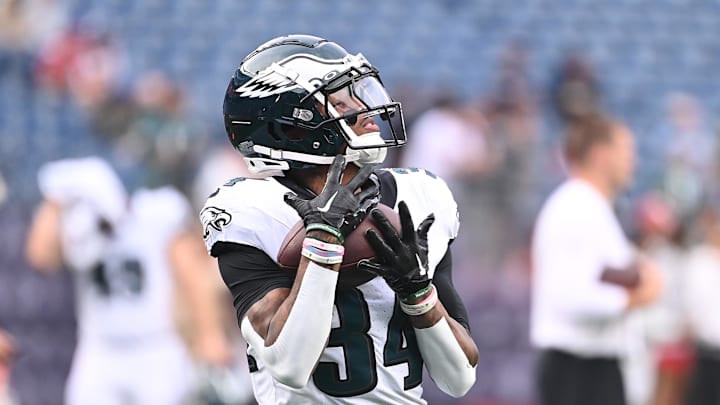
(423, 306)
(324, 259)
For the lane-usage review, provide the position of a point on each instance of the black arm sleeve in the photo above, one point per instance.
(249, 273)
(447, 294)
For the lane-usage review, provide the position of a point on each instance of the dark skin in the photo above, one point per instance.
(269, 314)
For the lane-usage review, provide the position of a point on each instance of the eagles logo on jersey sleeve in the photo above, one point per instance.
(248, 212)
(214, 218)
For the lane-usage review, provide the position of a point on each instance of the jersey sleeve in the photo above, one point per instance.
(447, 294)
(425, 193)
(248, 212)
(444, 207)
(249, 274)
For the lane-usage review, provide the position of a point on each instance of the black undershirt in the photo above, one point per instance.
(250, 273)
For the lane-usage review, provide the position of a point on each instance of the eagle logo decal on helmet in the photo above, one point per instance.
(266, 84)
(291, 73)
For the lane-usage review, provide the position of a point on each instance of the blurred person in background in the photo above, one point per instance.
(690, 154)
(64, 54)
(6, 356)
(702, 301)
(586, 274)
(135, 258)
(657, 367)
(95, 78)
(221, 162)
(460, 158)
(159, 142)
(575, 91)
(507, 192)
(21, 37)
(89, 64)
(462, 152)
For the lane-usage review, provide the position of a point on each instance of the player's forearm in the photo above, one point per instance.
(447, 350)
(42, 248)
(211, 343)
(298, 331)
(277, 321)
(192, 271)
(462, 337)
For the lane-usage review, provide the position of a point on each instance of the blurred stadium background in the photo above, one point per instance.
(486, 85)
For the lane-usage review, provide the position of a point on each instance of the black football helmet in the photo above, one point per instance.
(299, 100)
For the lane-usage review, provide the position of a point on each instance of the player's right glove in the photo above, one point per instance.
(402, 260)
(338, 209)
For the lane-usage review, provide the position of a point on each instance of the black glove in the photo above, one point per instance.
(402, 261)
(337, 206)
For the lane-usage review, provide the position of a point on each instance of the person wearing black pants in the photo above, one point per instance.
(586, 275)
(565, 379)
(704, 386)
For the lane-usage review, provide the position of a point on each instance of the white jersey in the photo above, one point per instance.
(130, 294)
(577, 236)
(124, 284)
(371, 356)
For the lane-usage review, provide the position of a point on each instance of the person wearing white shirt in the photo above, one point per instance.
(137, 261)
(586, 275)
(701, 298)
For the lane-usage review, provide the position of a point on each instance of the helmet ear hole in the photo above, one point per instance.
(295, 133)
(271, 131)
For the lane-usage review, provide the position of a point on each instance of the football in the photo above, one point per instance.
(356, 249)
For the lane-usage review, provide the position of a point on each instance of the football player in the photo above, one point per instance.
(317, 120)
(132, 258)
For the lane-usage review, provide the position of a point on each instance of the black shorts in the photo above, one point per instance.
(567, 379)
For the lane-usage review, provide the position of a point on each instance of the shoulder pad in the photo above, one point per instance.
(249, 212)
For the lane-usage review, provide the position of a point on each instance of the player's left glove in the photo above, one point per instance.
(401, 260)
(338, 209)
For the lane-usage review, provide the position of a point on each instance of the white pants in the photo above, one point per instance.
(149, 371)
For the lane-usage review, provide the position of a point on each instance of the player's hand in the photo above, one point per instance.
(338, 206)
(402, 260)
